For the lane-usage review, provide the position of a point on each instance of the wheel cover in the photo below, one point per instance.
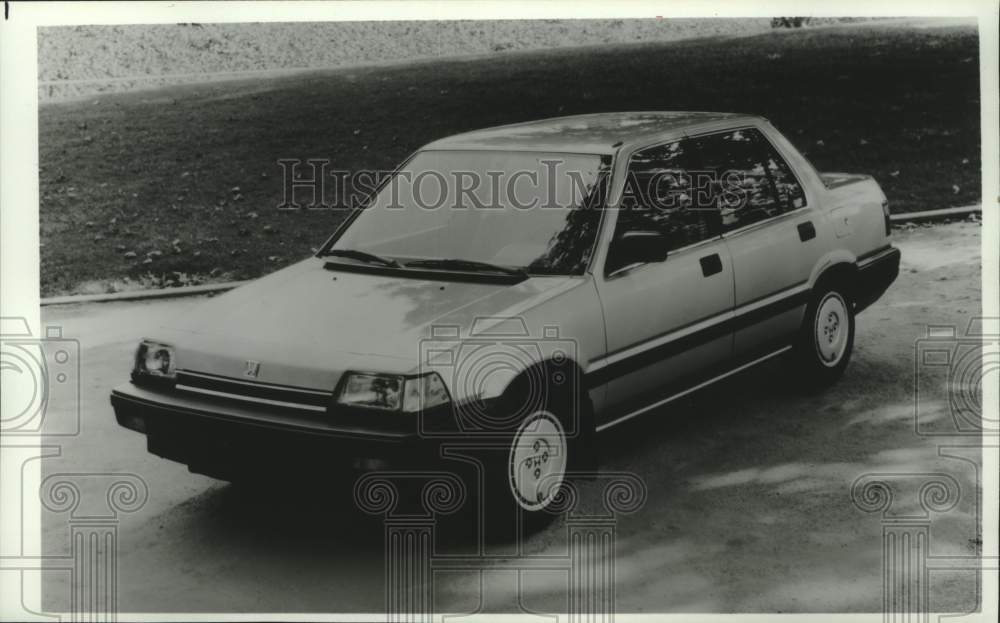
(537, 461)
(831, 329)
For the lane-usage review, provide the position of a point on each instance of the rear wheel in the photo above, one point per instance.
(826, 339)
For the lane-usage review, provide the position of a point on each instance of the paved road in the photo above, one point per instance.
(749, 505)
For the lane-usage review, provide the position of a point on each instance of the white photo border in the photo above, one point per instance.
(19, 194)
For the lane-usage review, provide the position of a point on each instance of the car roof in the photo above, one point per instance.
(598, 133)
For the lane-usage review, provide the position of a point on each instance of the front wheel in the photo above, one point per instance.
(826, 339)
(525, 476)
(537, 461)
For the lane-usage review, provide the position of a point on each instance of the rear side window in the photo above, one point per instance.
(753, 182)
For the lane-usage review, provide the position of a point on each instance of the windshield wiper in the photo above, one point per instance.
(468, 265)
(362, 256)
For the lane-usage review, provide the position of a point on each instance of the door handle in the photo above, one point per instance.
(806, 231)
(711, 264)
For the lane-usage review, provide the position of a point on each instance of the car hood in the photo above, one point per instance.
(307, 324)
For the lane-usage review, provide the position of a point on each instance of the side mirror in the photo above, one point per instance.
(644, 245)
(639, 247)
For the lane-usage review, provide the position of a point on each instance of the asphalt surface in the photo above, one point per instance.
(749, 505)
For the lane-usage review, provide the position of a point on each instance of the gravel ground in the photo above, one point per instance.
(749, 488)
(132, 55)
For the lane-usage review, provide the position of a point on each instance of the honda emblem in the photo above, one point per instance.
(252, 369)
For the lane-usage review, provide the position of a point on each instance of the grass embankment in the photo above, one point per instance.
(181, 185)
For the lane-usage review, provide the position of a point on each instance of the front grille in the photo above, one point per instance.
(253, 392)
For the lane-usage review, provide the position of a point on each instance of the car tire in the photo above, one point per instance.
(527, 475)
(826, 340)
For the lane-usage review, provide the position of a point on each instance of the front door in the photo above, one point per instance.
(665, 317)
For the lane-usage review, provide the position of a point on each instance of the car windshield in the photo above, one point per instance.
(529, 211)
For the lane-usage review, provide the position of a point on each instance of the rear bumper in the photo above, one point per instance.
(876, 272)
(224, 441)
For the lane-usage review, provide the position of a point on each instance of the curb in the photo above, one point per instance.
(138, 295)
(908, 217)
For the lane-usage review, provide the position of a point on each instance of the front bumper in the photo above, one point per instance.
(876, 272)
(223, 440)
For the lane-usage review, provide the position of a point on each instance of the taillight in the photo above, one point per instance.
(885, 213)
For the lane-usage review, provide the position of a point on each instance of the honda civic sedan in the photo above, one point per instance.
(519, 290)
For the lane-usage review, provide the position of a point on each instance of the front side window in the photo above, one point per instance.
(754, 183)
(528, 211)
(665, 202)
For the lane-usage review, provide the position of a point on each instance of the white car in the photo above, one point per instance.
(524, 288)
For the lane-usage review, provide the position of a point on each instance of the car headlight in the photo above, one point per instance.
(154, 360)
(424, 392)
(392, 392)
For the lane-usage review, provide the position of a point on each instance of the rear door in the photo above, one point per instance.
(772, 232)
(665, 320)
